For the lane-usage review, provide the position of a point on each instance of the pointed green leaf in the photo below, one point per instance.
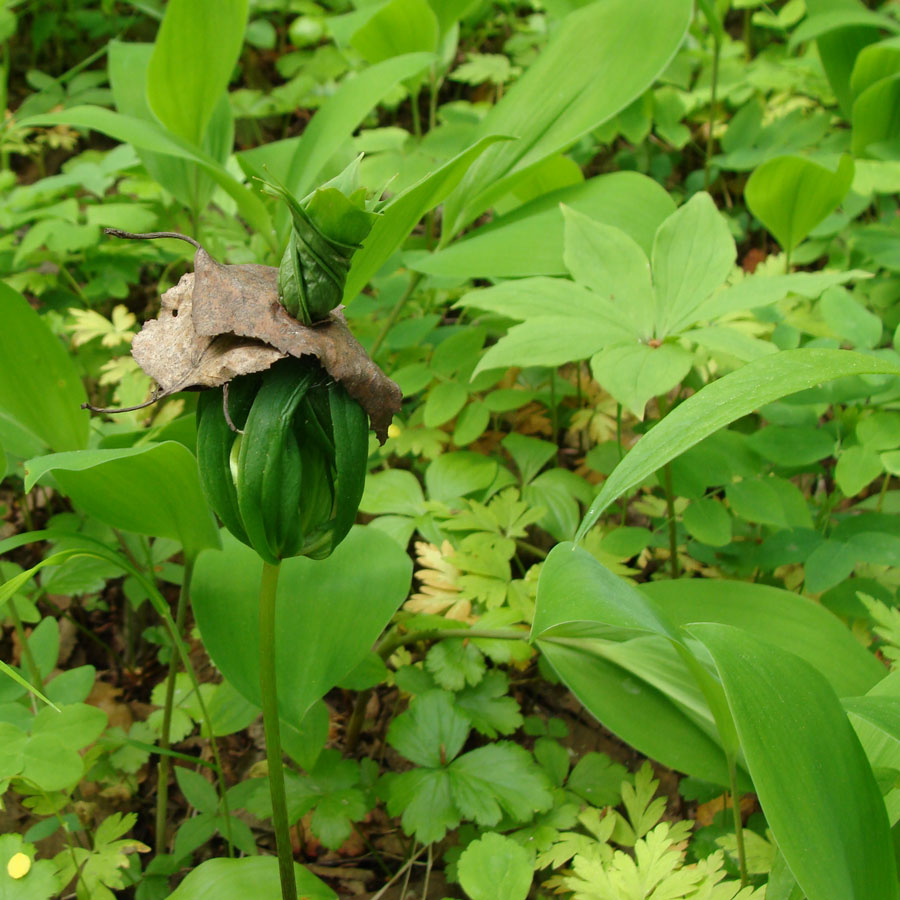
(796, 741)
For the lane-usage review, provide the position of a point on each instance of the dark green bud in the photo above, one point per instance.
(291, 482)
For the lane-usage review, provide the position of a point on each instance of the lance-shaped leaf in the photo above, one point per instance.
(812, 777)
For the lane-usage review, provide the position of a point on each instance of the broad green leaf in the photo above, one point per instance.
(721, 402)
(147, 136)
(856, 467)
(153, 489)
(186, 180)
(790, 195)
(708, 521)
(615, 44)
(495, 867)
(40, 883)
(529, 240)
(693, 254)
(76, 724)
(875, 118)
(402, 214)
(454, 475)
(612, 265)
(342, 114)
(875, 62)
(197, 46)
(431, 732)
(325, 625)
(634, 373)
(784, 618)
(840, 16)
(444, 401)
(40, 388)
(796, 738)
(769, 500)
(252, 876)
(399, 27)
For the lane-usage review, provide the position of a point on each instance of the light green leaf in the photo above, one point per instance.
(402, 214)
(616, 44)
(693, 254)
(495, 867)
(634, 373)
(721, 402)
(147, 136)
(790, 195)
(795, 737)
(856, 467)
(153, 489)
(192, 62)
(312, 596)
(612, 265)
(529, 240)
(399, 27)
(40, 388)
(252, 876)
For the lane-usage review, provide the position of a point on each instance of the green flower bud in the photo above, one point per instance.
(289, 482)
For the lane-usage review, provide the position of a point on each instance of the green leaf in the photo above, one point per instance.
(337, 119)
(39, 883)
(849, 320)
(634, 373)
(721, 402)
(76, 724)
(398, 27)
(790, 195)
(454, 475)
(856, 467)
(404, 212)
(556, 101)
(313, 595)
(487, 707)
(444, 401)
(495, 867)
(192, 62)
(40, 388)
(875, 124)
(597, 779)
(612, 265)
(708, 521)
(769, 500)
(197, 790)
(152, 489)
(147, 136)
(529, 240)
(431, 732)
(51, 763)
(253, 876)
(796, 738)
(693, 254)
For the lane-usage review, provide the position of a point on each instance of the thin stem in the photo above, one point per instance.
(416, 115)
(738, 824)
(787, 261)
(670, 515)
(405, 867)
(428, 864)
(395, 312)
(268, 685)
(713, 87)
(34, 673)
(883, 491)
(162, 767)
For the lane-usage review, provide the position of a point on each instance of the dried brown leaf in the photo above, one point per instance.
(223, 321)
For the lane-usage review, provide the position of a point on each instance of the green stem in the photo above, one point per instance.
(267, 683)
(162, 768)
(738, 824)
(34, 673)
(395, 313)
(670, 515)
(416, 115)
(713, 87)
(883, 491)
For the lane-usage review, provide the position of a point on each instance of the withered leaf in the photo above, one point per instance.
(223, 321)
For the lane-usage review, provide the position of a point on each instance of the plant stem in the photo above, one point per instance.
(738, 824)
(395, 313)
(267, 683)
(670, 515)
(713, 86)
(162, 767)
(34, 673)
(416, 115)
